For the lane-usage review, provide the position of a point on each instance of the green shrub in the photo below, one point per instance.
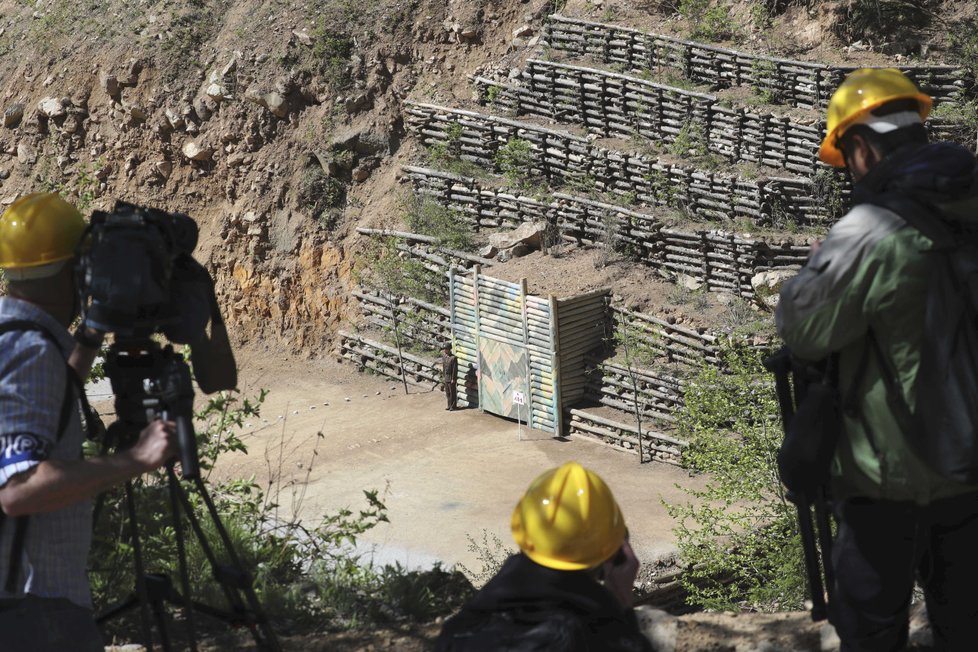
(708, 21)
(515, 159)
(738, 535)
(428, 217)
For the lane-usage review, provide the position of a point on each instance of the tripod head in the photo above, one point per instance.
(151, 382)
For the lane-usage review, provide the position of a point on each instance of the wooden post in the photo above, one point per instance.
(526, 349)
(478, 331)
(555, 362)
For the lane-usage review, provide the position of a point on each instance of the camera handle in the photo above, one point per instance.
(177, 393)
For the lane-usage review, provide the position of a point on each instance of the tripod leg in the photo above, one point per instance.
(824, 524)
(261, 620)
(234, 581)
(812, 570)
(137, 551)
(182, 558)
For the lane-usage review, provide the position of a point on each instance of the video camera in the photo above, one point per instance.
(137, 278)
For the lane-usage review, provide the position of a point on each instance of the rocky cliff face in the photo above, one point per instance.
(273, 124)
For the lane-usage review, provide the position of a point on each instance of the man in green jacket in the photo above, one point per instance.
(898, 519)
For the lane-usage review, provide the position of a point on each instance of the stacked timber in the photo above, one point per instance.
(672, 342)
(582, 325)
(563, 158)
(795, 83)
(384, 360)
(611, 104)
(659, 396)
(419, 323)
(723, 261)
(655, 446)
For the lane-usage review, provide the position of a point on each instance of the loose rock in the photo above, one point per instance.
(13, 115)
(196, 152)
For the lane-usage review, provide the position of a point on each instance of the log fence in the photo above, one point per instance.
(560, 157)
(368, 354)
(724, 261)
(794, 83)
(660, 395)
(616, 105)
(656, 446)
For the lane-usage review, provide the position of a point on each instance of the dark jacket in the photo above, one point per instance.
(871, 274)
(527, 607)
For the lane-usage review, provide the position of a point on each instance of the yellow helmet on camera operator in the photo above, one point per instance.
(38, 233)
(861, 92)
(568, 520)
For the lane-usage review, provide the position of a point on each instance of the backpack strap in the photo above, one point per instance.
(71, 380)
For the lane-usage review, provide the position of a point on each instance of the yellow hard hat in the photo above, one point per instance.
(859, 93)
(36, 232)
(568, 519)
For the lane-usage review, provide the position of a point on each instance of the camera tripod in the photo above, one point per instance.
(151, 382)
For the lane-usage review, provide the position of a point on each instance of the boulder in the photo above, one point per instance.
(26, 154)
(110, 84)
(277, 104)
(767, 285)
(529, 234)
(175, 119)
(12, 115)
(523, 31)
(361, 174)
(196, 152)
(51, 107)
(302, 37)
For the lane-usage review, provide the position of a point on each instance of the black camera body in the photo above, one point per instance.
(137, 277)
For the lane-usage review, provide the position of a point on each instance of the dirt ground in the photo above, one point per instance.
(444, 476)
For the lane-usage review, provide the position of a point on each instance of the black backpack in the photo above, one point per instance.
(67, 404)
(945, 415)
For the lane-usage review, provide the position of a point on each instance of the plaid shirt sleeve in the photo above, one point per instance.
(32, 385)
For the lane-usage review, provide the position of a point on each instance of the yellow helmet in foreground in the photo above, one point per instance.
(37, 232)
(861, 92)
(568, 519)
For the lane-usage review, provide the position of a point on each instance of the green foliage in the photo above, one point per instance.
(322, 195)
(762, 69)
(383, 267)
(709, 21)
(426, 216)
(491, 553)
(828, 186)
(740, 527)
(964, 44)
(514, 160)
(690, 141)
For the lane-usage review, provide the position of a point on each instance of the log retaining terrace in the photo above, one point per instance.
(794, 83)
(724, 261)
(656, 446)
(660, 396)
(380, 358)
(560, 157)
(616, 105)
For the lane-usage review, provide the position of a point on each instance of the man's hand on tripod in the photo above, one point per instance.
(56, 484)
(156, 446)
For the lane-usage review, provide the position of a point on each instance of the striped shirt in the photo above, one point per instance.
(32, 385)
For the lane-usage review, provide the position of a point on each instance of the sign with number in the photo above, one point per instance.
(519, 398)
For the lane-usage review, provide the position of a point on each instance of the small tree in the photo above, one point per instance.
(739, 538)
(395, 277)
(637, 350)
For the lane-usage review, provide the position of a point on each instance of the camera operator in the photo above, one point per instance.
(45, 600)
(863, 294)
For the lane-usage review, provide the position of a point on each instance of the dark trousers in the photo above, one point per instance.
(881, 547)
(33, 624)
(451, 392)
